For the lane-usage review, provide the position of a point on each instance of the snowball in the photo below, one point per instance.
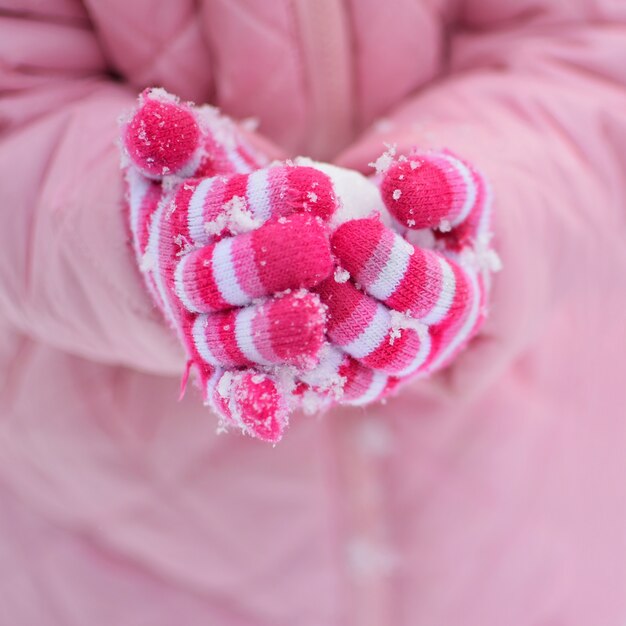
(357, 196)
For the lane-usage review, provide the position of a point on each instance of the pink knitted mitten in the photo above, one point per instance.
(419, 289)
(285, 283)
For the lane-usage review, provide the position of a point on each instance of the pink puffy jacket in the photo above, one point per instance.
(493, 494)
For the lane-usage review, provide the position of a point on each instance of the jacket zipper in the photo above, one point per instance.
(323, 31)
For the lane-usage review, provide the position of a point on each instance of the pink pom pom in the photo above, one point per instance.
(422, 191)
(162, 136)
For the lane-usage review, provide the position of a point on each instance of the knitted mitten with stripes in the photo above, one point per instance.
(297, 285)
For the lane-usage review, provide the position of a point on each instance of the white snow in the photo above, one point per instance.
(158, 93)
(241, 219)
(482, 257)
(445, 226)
(341, 275)
(357, 196)
(401, 321)
(384, 161)
(183, 243)
(236, 217)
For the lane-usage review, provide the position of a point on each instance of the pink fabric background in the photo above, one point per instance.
(493, 494)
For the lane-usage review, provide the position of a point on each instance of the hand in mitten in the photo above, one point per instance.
(422, 286)
(214, 242)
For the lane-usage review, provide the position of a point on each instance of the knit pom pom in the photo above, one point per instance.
(429, 190)
(162, 136)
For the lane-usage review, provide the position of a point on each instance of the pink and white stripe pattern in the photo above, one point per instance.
(289, 254)
(406, 310)
(343, 378)
(437, 190)
(209, 208)
(287, 329)
(421, 283)
(437, 294)
(364, 328)
(280, 305)
(159, 216)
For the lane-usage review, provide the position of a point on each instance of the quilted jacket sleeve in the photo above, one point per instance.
(535, 96)
(67, 275)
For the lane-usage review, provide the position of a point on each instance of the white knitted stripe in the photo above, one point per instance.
(189, 168)
(258, 195)
(225, 275)
(245, 337)
(446, 295)
(195, 213)
(470, 321)
(241, 167)
(470, 186)
(393, 271)
(377, 384)
(199, 339)
(152, 250)
(212, 382)
(371, 336)
(179, 283)
(137, 189)
(327, 369)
